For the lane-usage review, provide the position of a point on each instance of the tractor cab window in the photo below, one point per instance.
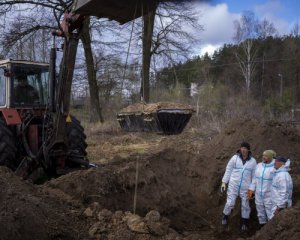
(30, 85)
(2, 87)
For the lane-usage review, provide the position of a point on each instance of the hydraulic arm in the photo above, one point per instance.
(70, 30)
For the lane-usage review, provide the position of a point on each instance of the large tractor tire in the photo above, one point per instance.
(77, 144)
(7, 146)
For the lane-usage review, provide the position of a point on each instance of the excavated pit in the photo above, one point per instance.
(180, 182)
(167, 182)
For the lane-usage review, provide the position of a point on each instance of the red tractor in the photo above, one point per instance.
(27, 124)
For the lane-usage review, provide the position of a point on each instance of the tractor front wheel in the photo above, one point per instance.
(7, 146)
(77, 144)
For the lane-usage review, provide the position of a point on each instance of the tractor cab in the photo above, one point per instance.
(23, 84)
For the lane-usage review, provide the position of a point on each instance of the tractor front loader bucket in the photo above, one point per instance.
(118, 10)
(167, 118)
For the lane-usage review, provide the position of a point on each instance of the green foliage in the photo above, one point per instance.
(219, 75)
(213, 98)
(177, 92)
(275, 106)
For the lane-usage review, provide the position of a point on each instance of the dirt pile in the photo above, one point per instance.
(125, 225)
(153, 107)
(281, 137)
(284, 226)
(29, 212)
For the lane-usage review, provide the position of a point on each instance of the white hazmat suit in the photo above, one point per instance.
(282, 189)
(239, 176)
(261, 185)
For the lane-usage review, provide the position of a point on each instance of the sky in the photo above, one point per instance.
(217, 18)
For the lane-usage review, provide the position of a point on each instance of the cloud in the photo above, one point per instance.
(209, 49)
(218, 26)
(217, 22)
(271, 10)
(268, 7)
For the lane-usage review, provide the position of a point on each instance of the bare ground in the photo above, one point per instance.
(178, 176)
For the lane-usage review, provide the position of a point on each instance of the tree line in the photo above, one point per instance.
(259, 68)
(275, 77)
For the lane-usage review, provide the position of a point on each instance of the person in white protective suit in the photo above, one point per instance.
(261, 185)
(282, 186)
(239, 173)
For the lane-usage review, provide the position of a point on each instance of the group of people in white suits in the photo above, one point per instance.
(269, 181)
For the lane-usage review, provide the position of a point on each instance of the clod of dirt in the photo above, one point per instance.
(152, 216)
(158, 228)
(88, 212)
(120, 225)
(136, 224)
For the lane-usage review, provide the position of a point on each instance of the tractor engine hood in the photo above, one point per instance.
(119, 10)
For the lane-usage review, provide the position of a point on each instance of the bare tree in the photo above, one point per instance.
(165, 35)
(247, 62)
(148, 27)
(26, 23)
(296, 29)
(96, 111)
(24, 36)
(245, 32)
(245, 27)
(265, 29)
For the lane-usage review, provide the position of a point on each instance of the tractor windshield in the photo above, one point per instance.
(2, 87)
(30, 84)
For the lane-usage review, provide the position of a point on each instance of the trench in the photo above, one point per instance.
(171, 182)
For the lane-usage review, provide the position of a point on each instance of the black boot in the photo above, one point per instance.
(244, 226)
(225, 219)
(261, 225)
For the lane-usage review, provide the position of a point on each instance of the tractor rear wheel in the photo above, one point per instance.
(7, 146)
(77, 144)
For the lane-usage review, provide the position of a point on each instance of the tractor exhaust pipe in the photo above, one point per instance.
(52, 79)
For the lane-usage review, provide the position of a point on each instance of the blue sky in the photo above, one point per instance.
(217, 17)
(288, 9)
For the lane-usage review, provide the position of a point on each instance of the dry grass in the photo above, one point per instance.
(107, 140)
(111, 127)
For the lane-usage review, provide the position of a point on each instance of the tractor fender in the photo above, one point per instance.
(11, 116)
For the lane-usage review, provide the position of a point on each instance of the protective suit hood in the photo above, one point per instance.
(240, 155)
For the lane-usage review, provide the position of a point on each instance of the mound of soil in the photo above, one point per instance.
(28, 212)
(153, 107)
(285, 225)
(284, 139)
(281, 137)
